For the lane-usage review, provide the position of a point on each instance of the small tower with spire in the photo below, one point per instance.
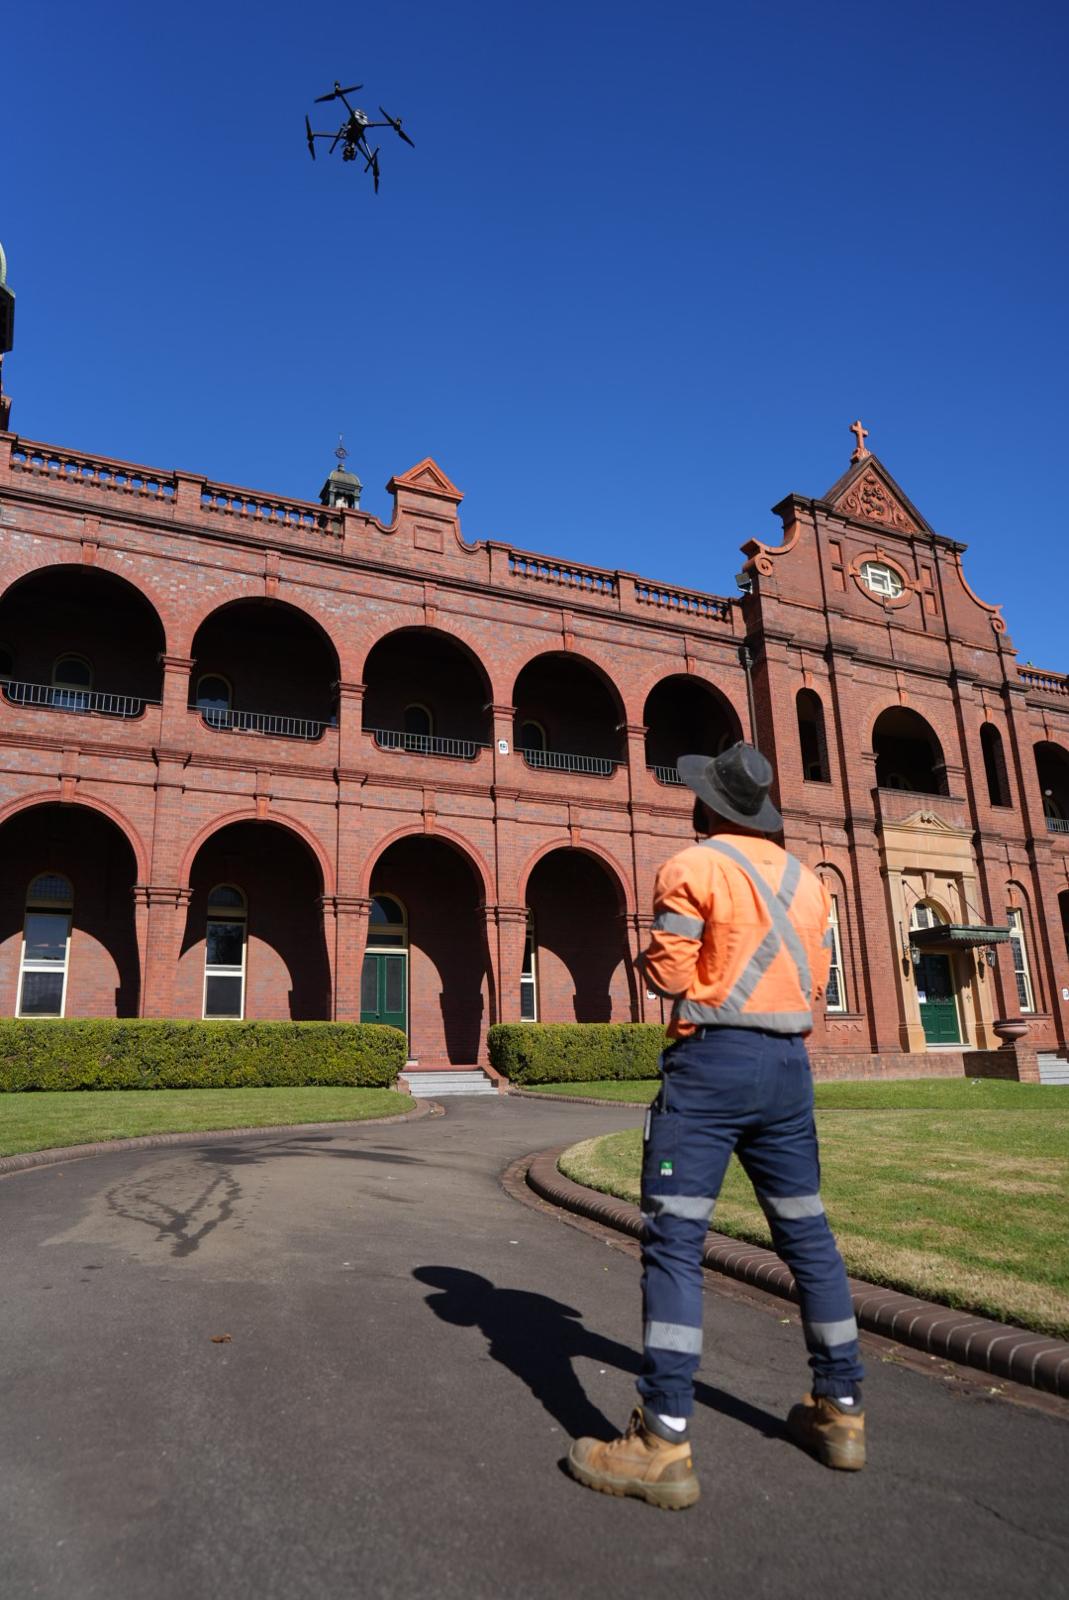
(7, 336)
(342, 488)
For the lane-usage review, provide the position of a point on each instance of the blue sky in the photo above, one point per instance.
(642, 270)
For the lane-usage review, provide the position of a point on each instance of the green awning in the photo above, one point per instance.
(957, 934)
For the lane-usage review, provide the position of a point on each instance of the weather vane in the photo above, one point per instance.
(352, 135)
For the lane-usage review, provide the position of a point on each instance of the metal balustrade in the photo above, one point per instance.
(268, 722)
(1057, 825)
(52, 697)
(557, 761)
(667, 775)
(426, 744)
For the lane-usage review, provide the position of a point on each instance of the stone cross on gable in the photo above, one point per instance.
(862, 435)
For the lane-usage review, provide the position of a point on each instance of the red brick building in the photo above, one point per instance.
(274, 758)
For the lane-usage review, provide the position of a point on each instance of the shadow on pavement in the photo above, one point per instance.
(538, 1339)
(254, 1154)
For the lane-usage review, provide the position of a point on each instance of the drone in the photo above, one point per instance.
(352, 135)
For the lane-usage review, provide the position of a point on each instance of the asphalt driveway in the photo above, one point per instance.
(409, 1352)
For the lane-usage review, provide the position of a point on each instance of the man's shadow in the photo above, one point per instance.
(538, 1339)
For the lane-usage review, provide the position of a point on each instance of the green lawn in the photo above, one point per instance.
(42, 1120)
(961, 1200)
(916, 1094)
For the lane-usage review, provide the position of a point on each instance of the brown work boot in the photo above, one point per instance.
(641, 1464)
(835, 1436)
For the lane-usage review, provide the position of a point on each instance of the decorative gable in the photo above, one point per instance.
(868, 493)
(426, 477)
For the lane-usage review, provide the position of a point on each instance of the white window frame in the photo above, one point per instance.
(836, 957)
(53, 906)
(881, 579)
(226, 914)
(1022, 971)
(529, 977)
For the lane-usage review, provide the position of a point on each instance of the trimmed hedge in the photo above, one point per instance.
(575, 1052)
(101, 1053)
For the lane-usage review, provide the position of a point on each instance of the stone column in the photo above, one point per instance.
(503, 754)
(350, 725)
(638, 778)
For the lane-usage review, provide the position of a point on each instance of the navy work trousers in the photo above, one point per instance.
(738, 1090)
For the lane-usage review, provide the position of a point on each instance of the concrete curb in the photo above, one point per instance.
(995, 1347)
(153, 1141)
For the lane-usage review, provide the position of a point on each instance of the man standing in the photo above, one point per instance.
(741, 947)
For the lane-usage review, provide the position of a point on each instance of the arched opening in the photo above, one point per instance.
(255, 926)
(908, 753)
(812, 741)
(936, 979)
(836, 995)
(1021, 943)
(68, 940)
(583, 963)
(998, 783)
(685, 716)
(1052, 768)
(426, 694)
(82, 640)
(263, 666)
(448, 993)
(579, 715)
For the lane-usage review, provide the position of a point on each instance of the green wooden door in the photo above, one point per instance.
(384, 988)
(939, 1003)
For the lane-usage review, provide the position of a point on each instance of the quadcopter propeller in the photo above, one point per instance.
(395, 124)
(311, 140)
(337, 92)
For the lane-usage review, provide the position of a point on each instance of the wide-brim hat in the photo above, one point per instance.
(735, 785)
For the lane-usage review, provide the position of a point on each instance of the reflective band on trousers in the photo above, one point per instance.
(830, 1334)
(673, 1336)
(691, 1207)
(782, 931)
(789, 1206)
(676, 922)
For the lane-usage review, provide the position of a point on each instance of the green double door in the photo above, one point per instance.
(938, 1000)
(384, 988)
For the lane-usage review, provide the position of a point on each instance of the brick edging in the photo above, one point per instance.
(152, 1141)
(974, 1341)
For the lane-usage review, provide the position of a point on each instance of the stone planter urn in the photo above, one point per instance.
(1010, 1030)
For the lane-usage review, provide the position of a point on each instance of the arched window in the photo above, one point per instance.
(387, 923)
(811, 737)
(532, 736)
(46, 938)
(835, 999)
(1052, 769)
(224, 953)
(213, 699)
(529, 975)
(1022, 970)
(419, 720)
(998, 786)
(72, 682)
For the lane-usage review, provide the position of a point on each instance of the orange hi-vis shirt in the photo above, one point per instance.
(740, 937)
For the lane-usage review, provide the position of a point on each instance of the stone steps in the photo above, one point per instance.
(1052, 1068)
(430, 1082)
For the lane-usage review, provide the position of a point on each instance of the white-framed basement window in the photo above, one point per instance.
(46, 944)
(1026, 997)
(529, 976)
(224, 953)
(836, 991)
